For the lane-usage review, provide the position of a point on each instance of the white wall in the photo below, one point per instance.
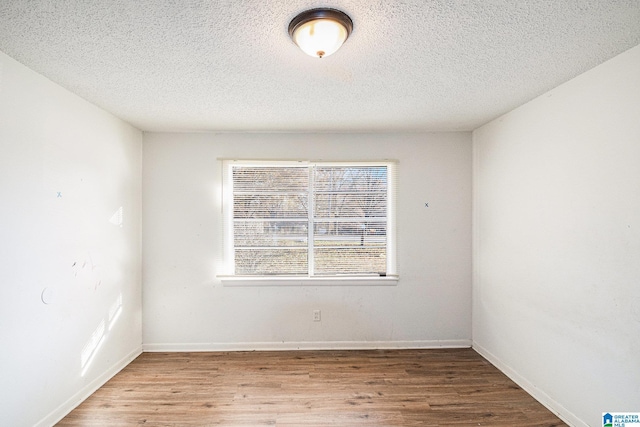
(185, 308)
(557, 243)
(66, 167)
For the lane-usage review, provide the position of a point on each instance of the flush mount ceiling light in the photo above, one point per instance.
(320, 32)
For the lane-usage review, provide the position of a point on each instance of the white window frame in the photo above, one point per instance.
(226, 275)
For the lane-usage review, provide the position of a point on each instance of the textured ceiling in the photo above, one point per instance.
(413, 65)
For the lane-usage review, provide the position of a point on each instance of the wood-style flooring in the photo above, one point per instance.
(448, 387)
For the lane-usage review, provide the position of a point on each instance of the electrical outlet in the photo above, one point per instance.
(316, 315)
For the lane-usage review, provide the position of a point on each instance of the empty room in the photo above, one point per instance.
(290, 213)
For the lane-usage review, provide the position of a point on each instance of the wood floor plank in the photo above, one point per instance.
(448, 387)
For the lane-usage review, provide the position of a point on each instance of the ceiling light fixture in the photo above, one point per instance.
(320, 32)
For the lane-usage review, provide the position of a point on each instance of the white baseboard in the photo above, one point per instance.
(552, 405)
(61, 411)
(323, 345)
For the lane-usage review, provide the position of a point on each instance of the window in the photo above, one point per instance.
(309, 220)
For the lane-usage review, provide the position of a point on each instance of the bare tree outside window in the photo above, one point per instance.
(350, 219)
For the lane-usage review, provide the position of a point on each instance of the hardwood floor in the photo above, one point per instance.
(448, 387)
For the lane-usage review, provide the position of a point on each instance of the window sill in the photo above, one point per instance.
(308, 281)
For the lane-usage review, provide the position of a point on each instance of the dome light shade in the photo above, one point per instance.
(320, 32)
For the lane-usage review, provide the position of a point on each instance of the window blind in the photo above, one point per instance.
(349, 219)
(270, 220)
(311, 219)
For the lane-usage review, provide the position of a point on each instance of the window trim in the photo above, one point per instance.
(244, 281)
(390, 279)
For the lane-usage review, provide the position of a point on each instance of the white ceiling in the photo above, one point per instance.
(412, 65)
